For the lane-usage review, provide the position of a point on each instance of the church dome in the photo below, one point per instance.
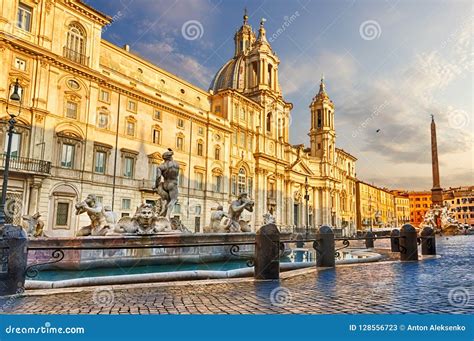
(228, 75)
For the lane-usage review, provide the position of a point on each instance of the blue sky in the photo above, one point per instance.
(388, 65)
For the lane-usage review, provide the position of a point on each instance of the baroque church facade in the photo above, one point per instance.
(96, 118)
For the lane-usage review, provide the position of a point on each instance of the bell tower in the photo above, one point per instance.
(322, 134)
(244, 37)
(262, 65)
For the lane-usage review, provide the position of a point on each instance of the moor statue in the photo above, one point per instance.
(166, 183)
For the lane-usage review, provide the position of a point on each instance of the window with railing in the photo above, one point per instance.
(75, 48)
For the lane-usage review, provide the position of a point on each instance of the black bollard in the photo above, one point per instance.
(13, 260)
(428, 241)
(369, 242)
(299, 244)
(408, 243)
(326, 248)
(395, 240)
(267, 252)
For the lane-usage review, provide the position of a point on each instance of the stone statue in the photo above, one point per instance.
(448, 224)
(177, 225)
(217, 220)
(268, 218)
(103, 220)
(166, 184)
(35, 225)
(235, 210)
(145, 221)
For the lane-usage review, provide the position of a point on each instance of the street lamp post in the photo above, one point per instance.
(306, 198)
(15, 98)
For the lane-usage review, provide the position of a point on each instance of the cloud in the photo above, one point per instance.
(301, 74)
(400, 104)
(167, 56)
(420, 182)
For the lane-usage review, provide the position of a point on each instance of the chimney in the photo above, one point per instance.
(126, 47)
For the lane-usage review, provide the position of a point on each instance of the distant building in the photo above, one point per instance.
(420, 202)
(402, 207)
(460, 201)
(375, 206)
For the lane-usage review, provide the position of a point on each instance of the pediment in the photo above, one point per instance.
(301, 167)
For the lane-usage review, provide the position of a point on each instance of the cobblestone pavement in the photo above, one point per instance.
(444, 285)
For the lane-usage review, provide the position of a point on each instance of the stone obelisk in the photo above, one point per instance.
(436, 191)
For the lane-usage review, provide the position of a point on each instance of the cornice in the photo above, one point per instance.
(95, 76)
(89, 12)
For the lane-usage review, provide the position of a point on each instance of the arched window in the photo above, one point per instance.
(76, 44)
(217, 153)
(242, 180)
(269, 122)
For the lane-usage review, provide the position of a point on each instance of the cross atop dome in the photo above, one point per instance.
(246, 17)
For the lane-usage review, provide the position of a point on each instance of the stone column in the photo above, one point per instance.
(276, 79)
(325, 206)
(34, 192)
(279, 200)
(259, 201)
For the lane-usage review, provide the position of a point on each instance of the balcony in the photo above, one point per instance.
(75, 56)
(27, 165)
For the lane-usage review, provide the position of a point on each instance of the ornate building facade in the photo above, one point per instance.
(460, 201)
(96, 118)
(375, 206)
